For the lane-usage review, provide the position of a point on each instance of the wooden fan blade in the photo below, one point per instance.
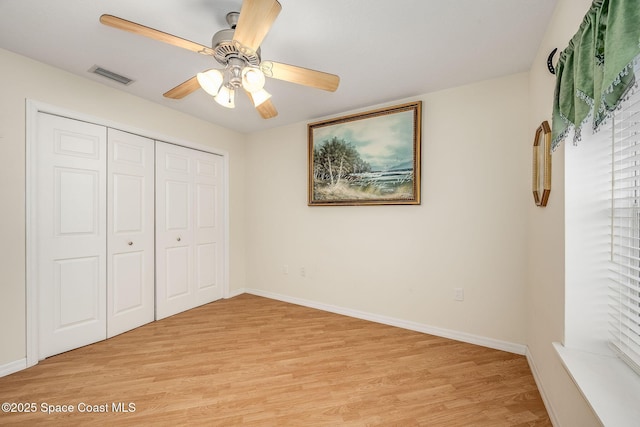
(300, 75)
(256, 18)
(132, 27)
(183, 89)
(267, 110)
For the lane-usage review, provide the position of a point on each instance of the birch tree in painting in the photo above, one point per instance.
(335, 160)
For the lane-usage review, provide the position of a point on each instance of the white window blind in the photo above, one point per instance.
(625, 232)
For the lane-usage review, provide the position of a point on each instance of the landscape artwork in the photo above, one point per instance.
(371, 158)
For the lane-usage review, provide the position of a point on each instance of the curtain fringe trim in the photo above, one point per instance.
(604, 111)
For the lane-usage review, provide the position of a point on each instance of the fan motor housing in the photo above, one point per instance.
(225, 48)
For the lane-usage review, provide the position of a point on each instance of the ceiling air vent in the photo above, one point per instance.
(110, 75)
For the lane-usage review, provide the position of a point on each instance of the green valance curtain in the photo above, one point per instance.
(595, 72)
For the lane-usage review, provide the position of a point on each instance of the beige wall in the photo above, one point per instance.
(26, 79)
(405, 261)
(546, 274)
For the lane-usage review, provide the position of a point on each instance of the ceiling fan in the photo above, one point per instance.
(238, 50)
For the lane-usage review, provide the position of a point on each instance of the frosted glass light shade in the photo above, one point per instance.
(225, 97)
(252, 79)
(210, 81)
(259, 97)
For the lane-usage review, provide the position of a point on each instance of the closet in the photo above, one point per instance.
(128, 230)
(187, 229)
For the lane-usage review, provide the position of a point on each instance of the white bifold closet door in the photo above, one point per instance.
(128, 229)
(189, 209)
(71, 229)
(95, 228)
(130, 236)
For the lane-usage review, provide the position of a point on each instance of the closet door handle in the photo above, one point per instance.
(130, 243)
(178, 239)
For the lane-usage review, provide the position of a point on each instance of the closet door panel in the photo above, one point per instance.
(206, 272)
(76, 201)
(177, 271)
(128, 268)
(71, 230)
(130, 241)
(178, 206)
(187, 229)
(76, 287)
(129, 209)
(174, 230)
(205, 246)
(208, 206)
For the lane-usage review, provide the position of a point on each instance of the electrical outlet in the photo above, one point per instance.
(285, 269)
(458, 294)
(303, 272)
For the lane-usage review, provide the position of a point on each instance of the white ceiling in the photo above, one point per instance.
(383, 50)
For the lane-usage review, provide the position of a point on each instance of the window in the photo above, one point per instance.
(601, 276)
(625, 232)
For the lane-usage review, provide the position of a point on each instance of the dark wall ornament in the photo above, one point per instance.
(550, 66)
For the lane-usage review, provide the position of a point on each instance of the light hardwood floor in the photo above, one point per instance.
(252, 361)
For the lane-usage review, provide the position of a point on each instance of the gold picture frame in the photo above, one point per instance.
(370, 158)
(541, 179)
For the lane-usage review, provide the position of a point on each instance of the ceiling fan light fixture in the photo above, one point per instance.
(225, 97)
(252, 79)
(259, 97)
(237, 50)
(210, 81)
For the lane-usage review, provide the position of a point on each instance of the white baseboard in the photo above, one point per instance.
(235, 293)
(545, 399)
(13, 367)
(400, 323)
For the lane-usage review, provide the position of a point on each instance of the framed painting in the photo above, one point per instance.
(370, 158)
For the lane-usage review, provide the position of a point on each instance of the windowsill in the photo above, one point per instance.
(607, 383)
